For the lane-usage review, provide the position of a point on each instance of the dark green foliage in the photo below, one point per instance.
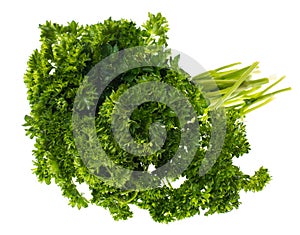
(57, 69)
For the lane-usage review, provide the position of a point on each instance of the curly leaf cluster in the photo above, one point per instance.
(54, 74)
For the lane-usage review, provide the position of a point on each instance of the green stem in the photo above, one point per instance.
(236, 85)
(216, 73)
(169, 184)
(129, 200)
(246, 109)
(264, 99)
(257, 82)
(227, 66)
(272, 85)
(234, 88)
(133, 197)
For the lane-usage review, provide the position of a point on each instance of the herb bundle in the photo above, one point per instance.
(54, 75)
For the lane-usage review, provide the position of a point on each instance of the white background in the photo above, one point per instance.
(212, 32)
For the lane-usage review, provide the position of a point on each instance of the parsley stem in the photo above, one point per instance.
(129, 200)
(227, 66)
(234, 88)
(236, 85)
(133, 197)
(169, 184)
(246, 109)
(265, 98)
(272, 85)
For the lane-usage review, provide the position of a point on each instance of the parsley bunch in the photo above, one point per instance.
(54, 75)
